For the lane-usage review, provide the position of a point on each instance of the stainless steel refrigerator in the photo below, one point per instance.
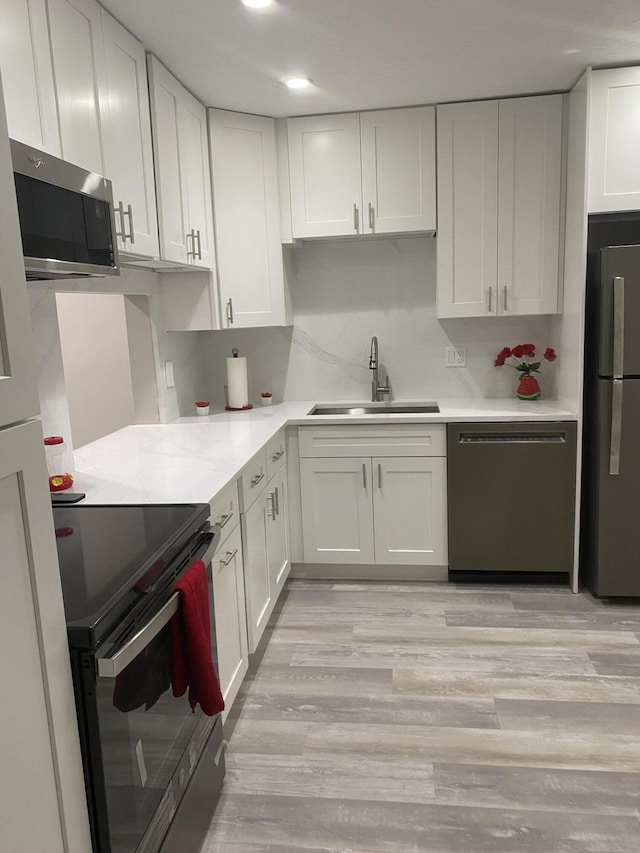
(611, 487)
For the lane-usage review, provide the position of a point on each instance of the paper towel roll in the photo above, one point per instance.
(237, 385)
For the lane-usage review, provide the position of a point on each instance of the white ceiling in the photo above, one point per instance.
(364, 54)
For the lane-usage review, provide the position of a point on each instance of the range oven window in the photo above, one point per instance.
(62, 224)
(144, 734)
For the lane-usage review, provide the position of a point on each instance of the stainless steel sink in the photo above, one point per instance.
(356, 409)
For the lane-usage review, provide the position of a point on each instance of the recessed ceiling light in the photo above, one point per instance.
(298, 82)
(257, 4)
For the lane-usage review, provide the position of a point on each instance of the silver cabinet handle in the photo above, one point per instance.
(379, 475)
(230, 311)
(122, 233)
(131, 235)
(272, 512)
(356, 218)
(364, 475)
(277, 500)
(277, 456)
(505, 297)
(199, 245)
(618, 327)
(372, 218)
(616, 427)
(229, 556)
(490, 303)
(224, 519)
(255, 480)
(191, 253)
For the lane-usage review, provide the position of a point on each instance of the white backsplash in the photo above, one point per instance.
(347, 291)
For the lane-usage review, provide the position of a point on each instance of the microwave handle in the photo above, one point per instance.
(110, 666)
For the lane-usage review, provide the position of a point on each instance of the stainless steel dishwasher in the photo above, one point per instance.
(511, 497)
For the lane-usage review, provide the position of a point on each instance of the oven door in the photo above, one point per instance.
(144, 742)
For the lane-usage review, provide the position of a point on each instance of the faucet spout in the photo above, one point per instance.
(376, 388)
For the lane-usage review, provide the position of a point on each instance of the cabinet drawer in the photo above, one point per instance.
(276, 451)
(225, 509)
(253, 480)
(373, 440)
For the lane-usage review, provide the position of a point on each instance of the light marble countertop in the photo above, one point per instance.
(193, 458)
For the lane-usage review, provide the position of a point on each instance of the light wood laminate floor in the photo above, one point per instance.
(437, 718)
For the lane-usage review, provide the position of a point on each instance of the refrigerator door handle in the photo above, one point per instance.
(616, 427)
(618, 327)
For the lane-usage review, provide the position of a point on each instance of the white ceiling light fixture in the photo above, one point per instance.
(298, 82)
(257, 4)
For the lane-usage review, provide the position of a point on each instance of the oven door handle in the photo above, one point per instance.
(110, 666)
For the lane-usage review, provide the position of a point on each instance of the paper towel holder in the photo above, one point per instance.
(234, 353)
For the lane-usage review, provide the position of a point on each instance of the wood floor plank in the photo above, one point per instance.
(436, 718)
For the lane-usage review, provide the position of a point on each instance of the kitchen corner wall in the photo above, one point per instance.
(182, 348)
(345, 292)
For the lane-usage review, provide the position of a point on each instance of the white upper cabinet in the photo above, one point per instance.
(79, 72)
(398, 150)
(324, 172)
(499, 202)
(529, 199)
(614, 140)
(27, 75)
(362, 173)
(127, 140)
(180, 148)
(467, 245)
(247, 213)
(18, 393)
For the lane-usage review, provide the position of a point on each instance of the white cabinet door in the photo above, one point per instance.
(78, 65)
(398, 170)
(337, 510)
(244, 171)
(614, 140)
(529, 184)
(165, 93)
(18, 394)
(256, 570)
(42, 802)
(194, 165)
(409, 509)
(326, 186)
(127, 140)
(231, 617)
(27, 75)
(467, 247)
(277, 532)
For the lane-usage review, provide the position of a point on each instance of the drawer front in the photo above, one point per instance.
(374, 440)
(253, 480)
(276, 450)
(225, 509)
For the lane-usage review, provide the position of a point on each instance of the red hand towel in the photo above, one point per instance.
(191, 664)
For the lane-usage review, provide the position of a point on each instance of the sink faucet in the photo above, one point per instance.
(376, 388)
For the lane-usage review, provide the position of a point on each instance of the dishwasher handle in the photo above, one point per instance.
(513, 438)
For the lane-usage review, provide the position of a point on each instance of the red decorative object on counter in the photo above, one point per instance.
(524, 355)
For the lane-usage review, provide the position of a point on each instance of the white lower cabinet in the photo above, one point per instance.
(337, 511)
(265, 543)
(231, 616)
(374, 509)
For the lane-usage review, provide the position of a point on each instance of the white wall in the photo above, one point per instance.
(95, 358)
(347, 291)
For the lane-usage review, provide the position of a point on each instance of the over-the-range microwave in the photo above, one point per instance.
(66, 217)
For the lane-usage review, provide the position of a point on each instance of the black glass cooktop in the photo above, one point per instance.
(110, 555)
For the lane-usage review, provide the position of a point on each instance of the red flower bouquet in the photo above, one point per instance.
(523, 357)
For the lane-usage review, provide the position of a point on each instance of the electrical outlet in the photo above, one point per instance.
(168, 374)
(455, 356)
